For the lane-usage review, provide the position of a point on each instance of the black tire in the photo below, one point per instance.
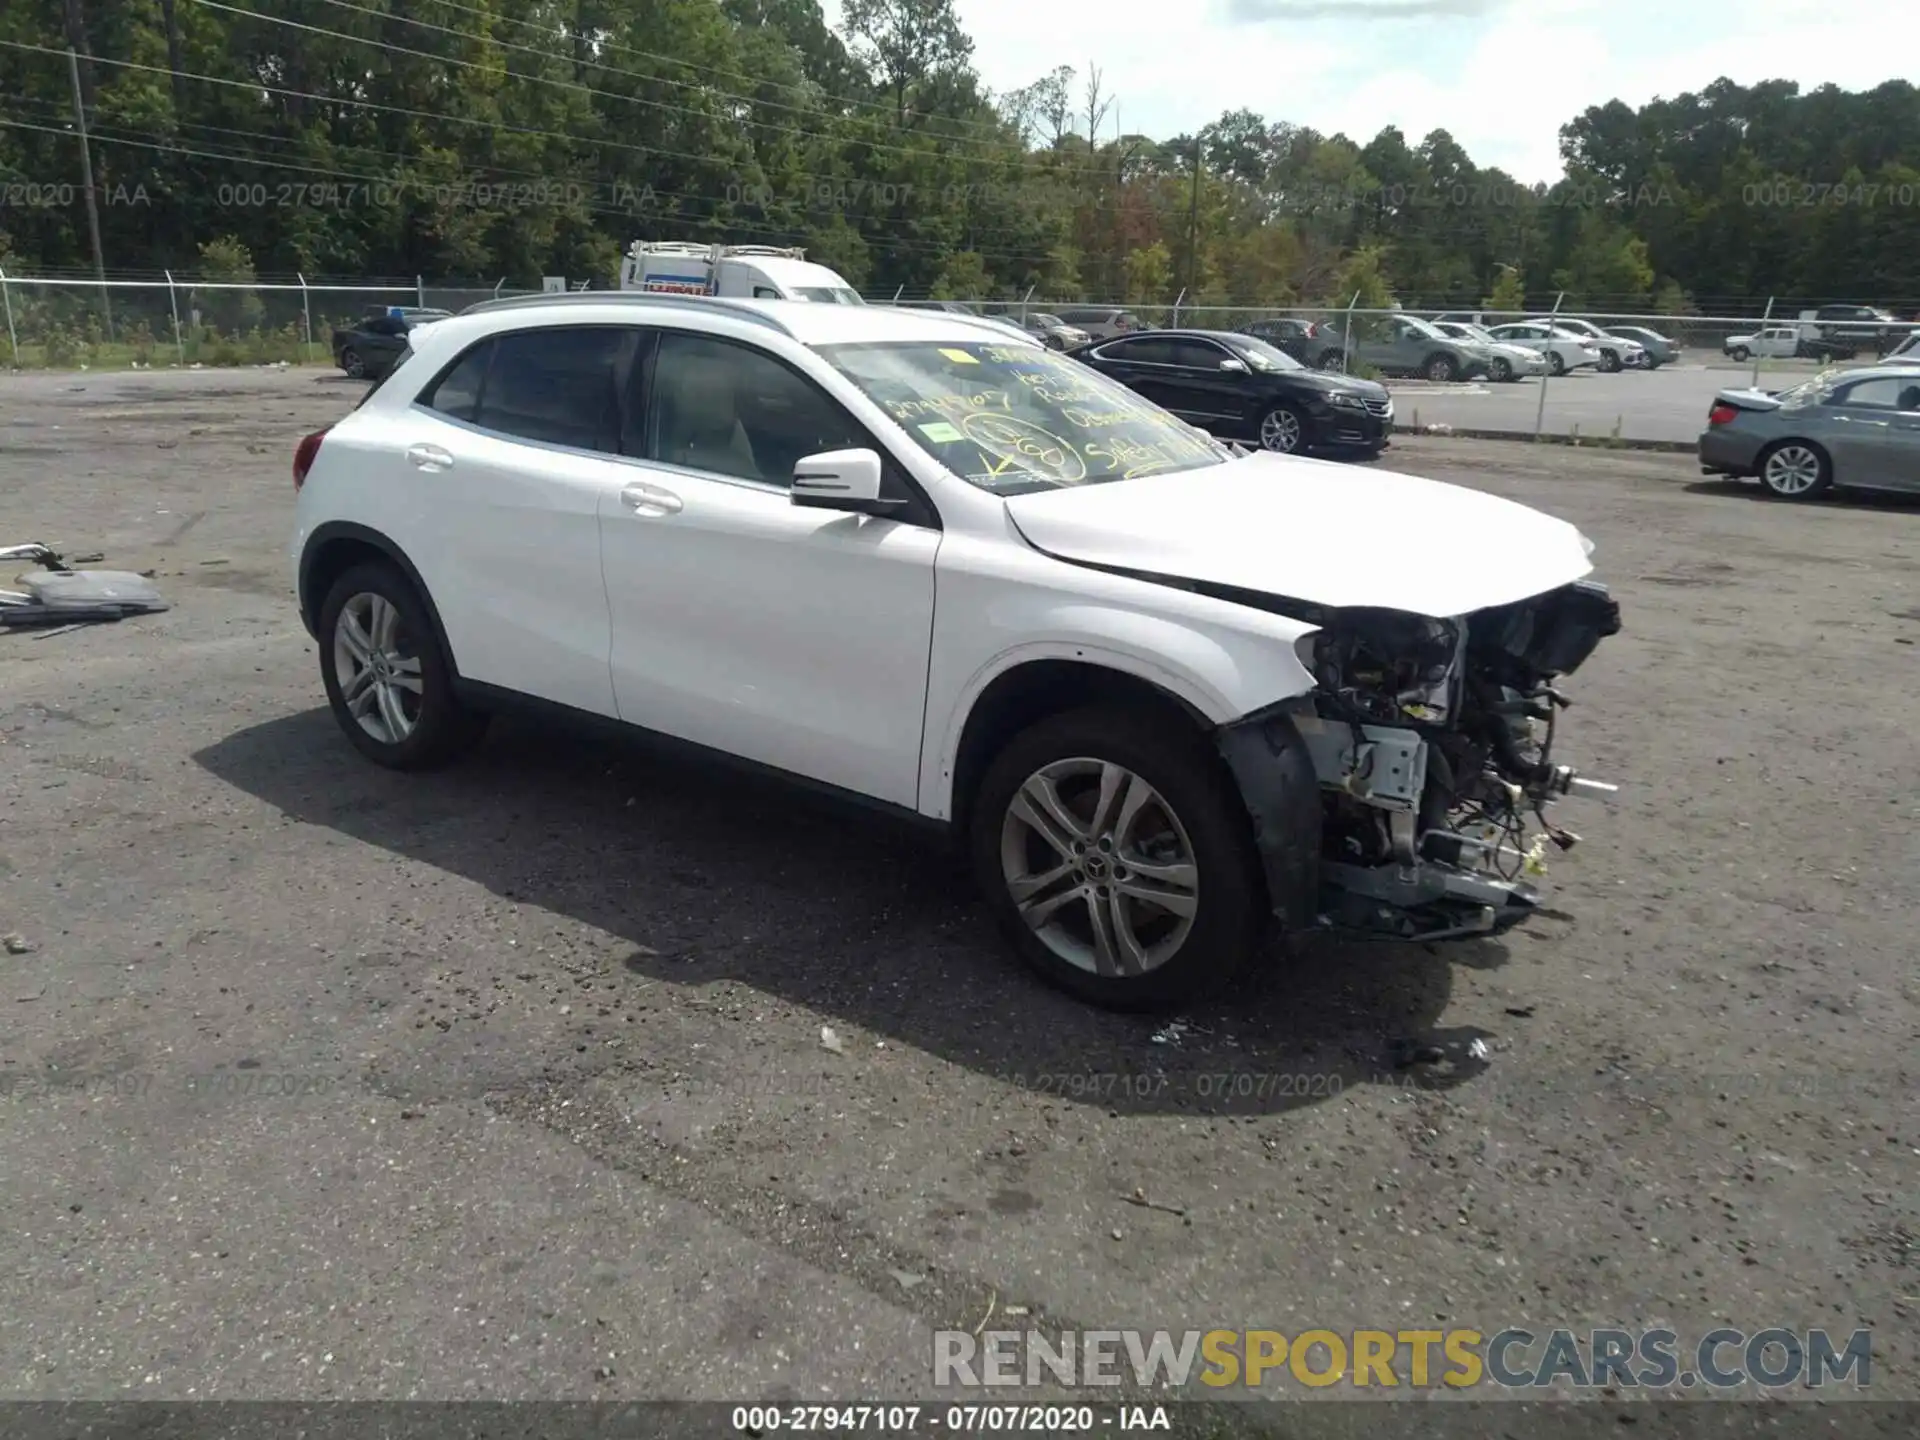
(1231, 909)
(1739, 352)
(352, 363)
(1331, 360)
(1556, 363)
(442, 729)
(1823, 473)
(1282, 420)
(1500, 371)
(1609, 361)
(1441, 367)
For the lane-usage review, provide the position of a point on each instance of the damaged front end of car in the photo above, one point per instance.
(1431, 743)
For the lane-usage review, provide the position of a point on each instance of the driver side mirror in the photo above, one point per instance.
(1238, 367)
(842, 480)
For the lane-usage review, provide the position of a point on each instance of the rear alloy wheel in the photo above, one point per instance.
(390, 685)
(1609, 361)
(1795, 470)
(1282, 431)
(1740, 353)
(1118, 860)
(352, 362)
(1441, 368)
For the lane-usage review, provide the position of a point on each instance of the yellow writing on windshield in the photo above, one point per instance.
(949, 406)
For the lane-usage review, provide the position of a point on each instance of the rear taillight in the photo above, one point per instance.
(1722, 414)
(304, 457)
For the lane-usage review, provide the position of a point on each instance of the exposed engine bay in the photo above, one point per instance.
(1433, 743)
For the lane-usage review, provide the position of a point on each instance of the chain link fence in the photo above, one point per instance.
(65, 322)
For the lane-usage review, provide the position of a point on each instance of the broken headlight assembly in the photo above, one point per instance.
(1434, 744)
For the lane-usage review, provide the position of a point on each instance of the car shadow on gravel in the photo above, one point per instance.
(1883, 500)
(710, 874)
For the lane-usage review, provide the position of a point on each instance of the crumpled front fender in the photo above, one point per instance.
(1281, 789)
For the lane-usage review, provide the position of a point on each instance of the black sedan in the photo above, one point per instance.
(1241, 388)
(370, 349)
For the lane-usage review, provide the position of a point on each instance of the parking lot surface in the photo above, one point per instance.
(510, 1081)
(1669, 404)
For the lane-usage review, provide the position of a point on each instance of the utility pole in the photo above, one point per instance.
(1193, 223)
(86, 168)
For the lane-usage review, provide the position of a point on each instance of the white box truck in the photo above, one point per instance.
(746, 272)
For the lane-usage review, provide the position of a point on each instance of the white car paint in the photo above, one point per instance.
(1523, 359)
(1633, 355)
(849, 648)
(1574, 351)
(1775, 342)
(1262, 524)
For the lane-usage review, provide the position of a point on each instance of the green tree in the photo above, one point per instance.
(1509, 294)
(1149, 274)
(963, 276)
(226, 262)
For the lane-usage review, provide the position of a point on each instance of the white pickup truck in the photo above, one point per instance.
(745, 272)
(1773, 342)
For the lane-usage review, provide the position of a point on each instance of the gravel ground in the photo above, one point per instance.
(509, 1082)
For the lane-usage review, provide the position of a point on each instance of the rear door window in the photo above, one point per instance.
(456, 394)
(562, 385)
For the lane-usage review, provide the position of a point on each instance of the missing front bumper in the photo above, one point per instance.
(1287, 762)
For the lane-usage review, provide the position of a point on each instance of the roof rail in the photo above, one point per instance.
(639, 299)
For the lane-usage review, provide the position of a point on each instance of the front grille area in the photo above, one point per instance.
(1379, 407)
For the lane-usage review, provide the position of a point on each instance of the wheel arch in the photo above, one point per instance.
(336, 547)
(1033, 686)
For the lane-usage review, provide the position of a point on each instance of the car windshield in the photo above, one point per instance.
(1014, 419)
(1052, 322)
(1423, 329)
(828, 295)
(1260, 355)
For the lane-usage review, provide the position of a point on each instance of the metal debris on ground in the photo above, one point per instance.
(830, 1038)
(17, 944)
(1478, 1050)
(1139, 1197)
(60, 595)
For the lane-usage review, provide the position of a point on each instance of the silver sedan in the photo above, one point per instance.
(1854, 428)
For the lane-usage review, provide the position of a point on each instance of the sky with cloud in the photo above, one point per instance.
(1501, 76)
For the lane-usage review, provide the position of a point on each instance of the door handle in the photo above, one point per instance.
(650, 501)
(429, 457)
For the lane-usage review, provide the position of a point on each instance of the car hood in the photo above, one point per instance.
(1316, 531)
(1328, 384)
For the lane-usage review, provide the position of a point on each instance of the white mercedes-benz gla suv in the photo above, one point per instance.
(1164, 691)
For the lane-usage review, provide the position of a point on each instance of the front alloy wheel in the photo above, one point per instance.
(353, 364)
(1441, 368)
(1116, 856)
(1100, 867)
(1281, 431)
(1795, 471)
(1556, 362)
(1502, 371)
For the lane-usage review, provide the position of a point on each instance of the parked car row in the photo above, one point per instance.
(1459, 347)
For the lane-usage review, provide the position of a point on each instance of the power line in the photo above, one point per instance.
(609, 45)
(571, 84)
(645, 151)
(387, 180)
